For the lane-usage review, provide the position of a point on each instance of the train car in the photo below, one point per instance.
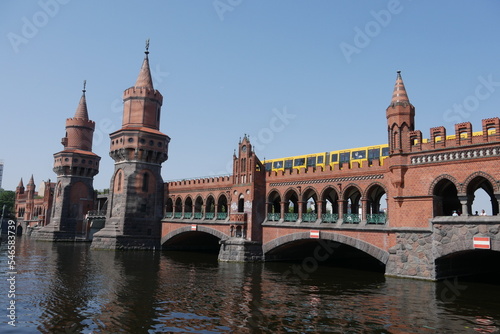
(345, 158)
(362, 155)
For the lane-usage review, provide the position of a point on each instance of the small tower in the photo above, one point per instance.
(247, 206)
(133, 219)
(20, 188)
(30, 188)
(400, 119)
(75, 166)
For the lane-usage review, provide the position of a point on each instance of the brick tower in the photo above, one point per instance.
(400, 123)
(400, 118)
(75, 166)
(136, 190)
(247, 195)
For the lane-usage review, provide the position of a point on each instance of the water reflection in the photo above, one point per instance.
(67, 288)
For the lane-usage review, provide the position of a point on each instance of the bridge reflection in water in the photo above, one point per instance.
(69, 288)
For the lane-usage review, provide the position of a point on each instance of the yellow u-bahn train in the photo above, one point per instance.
(362, 155)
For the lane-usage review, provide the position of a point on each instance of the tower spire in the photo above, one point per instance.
(144, 79)
(81, 110)
(399, 95)
(31, 181)
(20, 185)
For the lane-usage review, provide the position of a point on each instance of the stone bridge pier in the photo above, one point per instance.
(454, 246)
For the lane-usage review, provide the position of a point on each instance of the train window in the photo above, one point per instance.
(321, 159)
(288, 164)
(299, 162)
(278, 164)
(311, 161)
(345, 157)
(268, 166)
(385, 151)
(373, 153)
(334, 157)
(359, 154)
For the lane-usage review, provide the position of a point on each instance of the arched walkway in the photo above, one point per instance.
(184, 238)
(378, 253)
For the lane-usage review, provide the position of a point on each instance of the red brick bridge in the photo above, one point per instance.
(393, 215)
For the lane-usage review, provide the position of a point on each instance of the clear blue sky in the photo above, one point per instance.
(230, 67)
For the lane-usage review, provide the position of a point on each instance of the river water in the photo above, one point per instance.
(68, 288)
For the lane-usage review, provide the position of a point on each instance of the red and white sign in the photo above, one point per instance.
(314, 234)
(482, 243)
(194, 227)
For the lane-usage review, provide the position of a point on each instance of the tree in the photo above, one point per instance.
(7, 198)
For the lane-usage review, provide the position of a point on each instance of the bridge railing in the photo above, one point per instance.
(209, 215)
(188, 215)
(198, 215)
(96, 213)
(351, 218)
(330, 217)
(291, 217)
(273, 216)
(309, 217)
(221, 215)
(376, 218)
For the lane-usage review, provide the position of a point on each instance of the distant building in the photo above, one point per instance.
(1, 173)
(33, 208)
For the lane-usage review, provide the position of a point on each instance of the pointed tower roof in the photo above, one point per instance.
(144, 79)
(81, 110)
(399, 95)
(20, 185)
(31, 181)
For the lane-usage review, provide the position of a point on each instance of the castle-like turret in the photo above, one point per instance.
(75, 166)
(136, 190)
(400, 118)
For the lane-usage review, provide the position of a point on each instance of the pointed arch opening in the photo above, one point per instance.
(178, 208)
(376, 206)
(291, 206)
(309, 205)
(241, 203)
(222, 208)
(169, 208)
(330, 203)
(445, 198)
(210, 207)
(198, 208)
(481, 198)
(274, 206)
(188, 207)
(352, 207)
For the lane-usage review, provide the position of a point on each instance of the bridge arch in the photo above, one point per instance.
(291, 199)
(204, 238)
(374, 251)
(309, 195)
(178, 204)
(445, 195)
(441, 177)
(478, 181)
(461, 259)
(222, 203)
(352, 196)
(188, 204)
(274, 201)
(483, 176)
(198, 203)
(169, 205)
(329, 195)
(210, 203)
(374, 194)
